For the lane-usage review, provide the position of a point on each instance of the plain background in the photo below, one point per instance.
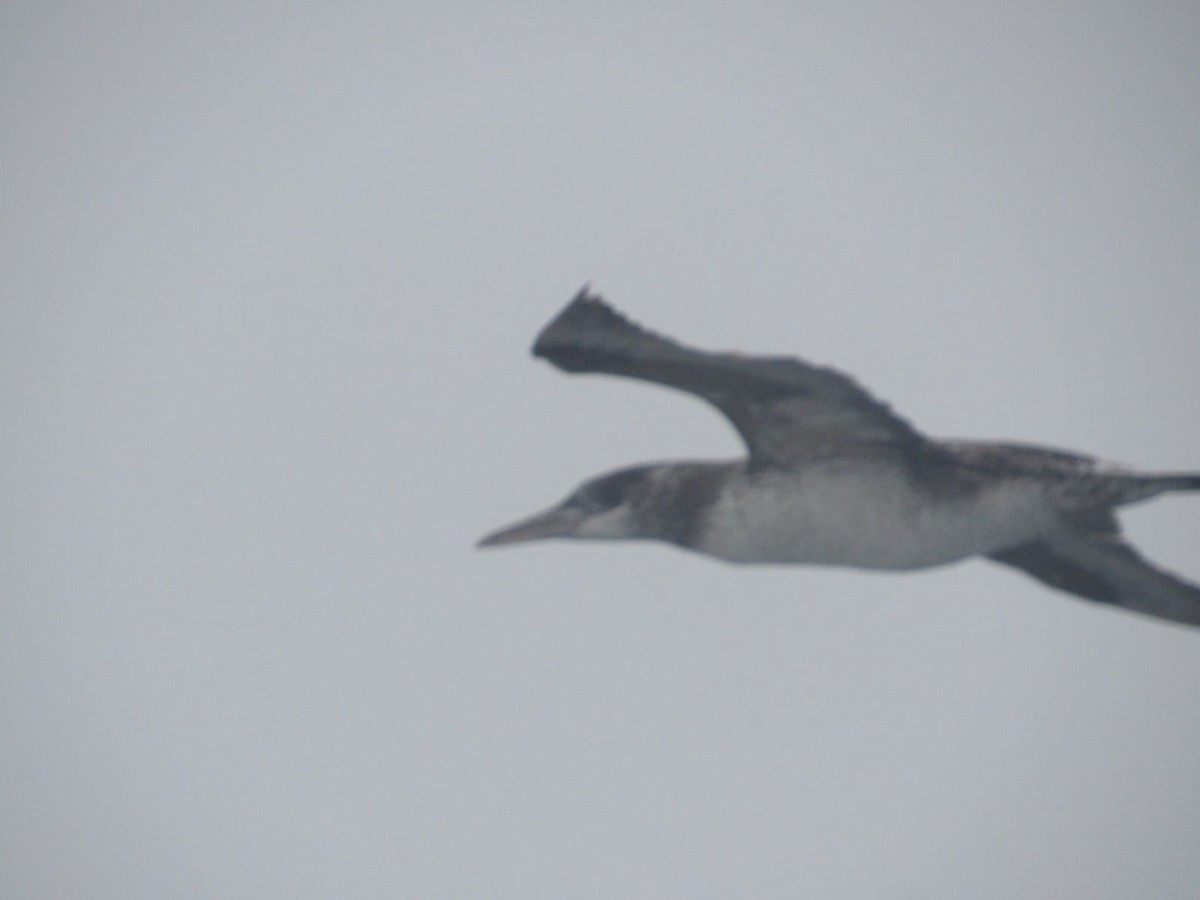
(269, 273)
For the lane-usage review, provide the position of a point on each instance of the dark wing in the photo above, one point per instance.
(784, 409)
(1098, 564)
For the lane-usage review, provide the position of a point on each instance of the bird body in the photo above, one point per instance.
(873, 516)
(834, 477)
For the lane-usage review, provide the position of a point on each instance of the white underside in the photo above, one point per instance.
(843, 515)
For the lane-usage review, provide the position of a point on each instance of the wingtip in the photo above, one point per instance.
(587, 298)
(585, 311)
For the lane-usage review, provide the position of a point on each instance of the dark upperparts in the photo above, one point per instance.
(785, 410)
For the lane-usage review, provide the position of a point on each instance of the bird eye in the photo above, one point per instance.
(610, 490)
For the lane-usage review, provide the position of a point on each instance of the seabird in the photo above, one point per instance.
(834, 477)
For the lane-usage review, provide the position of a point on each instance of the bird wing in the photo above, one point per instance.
(1098, 564)
(785, 409)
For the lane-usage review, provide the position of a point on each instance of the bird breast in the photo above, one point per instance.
(866, 516)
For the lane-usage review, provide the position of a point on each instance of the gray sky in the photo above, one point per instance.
(270, 273)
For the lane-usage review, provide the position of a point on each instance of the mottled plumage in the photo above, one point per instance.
(834, 477)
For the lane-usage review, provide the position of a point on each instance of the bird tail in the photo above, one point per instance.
(1177, 481)
(1136, 488)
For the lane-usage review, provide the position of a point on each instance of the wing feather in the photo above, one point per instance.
(1100, 565)
(784, 409)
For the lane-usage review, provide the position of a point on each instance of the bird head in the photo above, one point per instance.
(604, 508)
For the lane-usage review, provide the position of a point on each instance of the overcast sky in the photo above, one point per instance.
(269, 274)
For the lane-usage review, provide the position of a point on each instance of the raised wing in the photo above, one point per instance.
(785, 410)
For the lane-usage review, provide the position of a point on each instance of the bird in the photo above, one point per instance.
(832, 476)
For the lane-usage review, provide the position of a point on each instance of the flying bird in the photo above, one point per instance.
(834, 477)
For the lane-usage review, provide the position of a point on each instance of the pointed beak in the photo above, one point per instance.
(553, 523)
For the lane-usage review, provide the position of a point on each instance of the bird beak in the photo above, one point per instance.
(553, 523)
